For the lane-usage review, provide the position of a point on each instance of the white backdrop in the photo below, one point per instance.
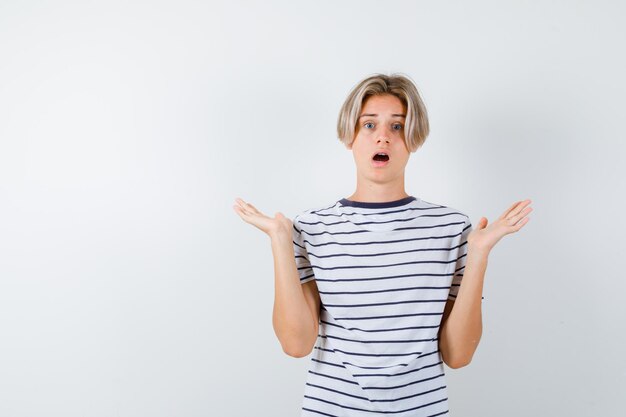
(130, 287)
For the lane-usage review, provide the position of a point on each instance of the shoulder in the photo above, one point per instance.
(448, 211)
(313, 215)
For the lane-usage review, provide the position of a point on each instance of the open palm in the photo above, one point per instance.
(272, 226)
(513, 219)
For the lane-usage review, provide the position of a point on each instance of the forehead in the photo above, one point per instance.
(385, 103)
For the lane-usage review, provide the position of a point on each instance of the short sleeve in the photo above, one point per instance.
(460, 260)
(303, 265)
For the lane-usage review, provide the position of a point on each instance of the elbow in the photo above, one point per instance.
(297, 351)
(458, 362)
(298, 347)
(459, 357)
(297, 344)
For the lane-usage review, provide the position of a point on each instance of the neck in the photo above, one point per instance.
(377, 192)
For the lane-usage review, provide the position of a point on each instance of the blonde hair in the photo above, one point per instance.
(416, 123)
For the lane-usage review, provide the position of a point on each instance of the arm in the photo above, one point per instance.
(461, 326)
(296, 306)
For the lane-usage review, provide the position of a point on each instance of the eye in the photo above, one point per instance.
(368, 123)
(397, 126)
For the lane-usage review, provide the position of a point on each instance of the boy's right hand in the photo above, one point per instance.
(278, 226)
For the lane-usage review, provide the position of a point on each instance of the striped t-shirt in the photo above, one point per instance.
(384, 272)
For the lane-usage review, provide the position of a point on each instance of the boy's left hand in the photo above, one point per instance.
(485, 237)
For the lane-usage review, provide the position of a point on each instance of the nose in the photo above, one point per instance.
(384, 135)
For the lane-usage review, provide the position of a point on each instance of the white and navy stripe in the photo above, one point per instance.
(384, 272)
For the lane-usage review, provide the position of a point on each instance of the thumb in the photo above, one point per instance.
(482, 223)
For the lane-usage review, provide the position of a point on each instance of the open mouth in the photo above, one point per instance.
(381, 158)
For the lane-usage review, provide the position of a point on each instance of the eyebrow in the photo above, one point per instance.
(375, 115)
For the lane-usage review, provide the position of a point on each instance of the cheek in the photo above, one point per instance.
(403, 154)
(400, 146)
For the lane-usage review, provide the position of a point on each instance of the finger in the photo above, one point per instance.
(245, 207)
(522, 215)
(516, 209)
(241, 212)
(249, 207)
(253, 208)
(240, 202)
(521, 224)
(519, 219)
(247, 217)
(521, 212)
(507, 212)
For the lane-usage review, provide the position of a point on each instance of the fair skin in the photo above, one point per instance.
(297, 306)
(380, 128)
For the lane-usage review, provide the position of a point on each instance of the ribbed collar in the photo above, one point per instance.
(384, 204)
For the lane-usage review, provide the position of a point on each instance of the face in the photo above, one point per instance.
(380, 128)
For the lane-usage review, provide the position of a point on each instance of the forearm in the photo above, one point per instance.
(292, 318)
(461, 332)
